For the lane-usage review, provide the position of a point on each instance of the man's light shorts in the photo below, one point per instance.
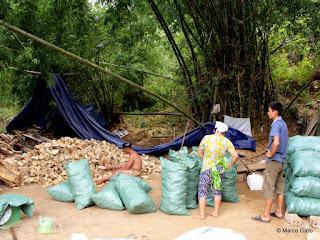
(273, 183)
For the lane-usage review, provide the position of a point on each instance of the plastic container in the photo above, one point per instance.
(255, 181)
(46, 225)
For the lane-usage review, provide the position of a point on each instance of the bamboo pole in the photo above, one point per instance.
(91, 64)
(138, 70)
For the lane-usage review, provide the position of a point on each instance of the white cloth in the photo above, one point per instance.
(241, 124)
(221, 127)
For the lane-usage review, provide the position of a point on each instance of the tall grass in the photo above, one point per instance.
(9, 106)
(6, 115)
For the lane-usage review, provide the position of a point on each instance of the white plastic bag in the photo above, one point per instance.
(78, 236)
(205, 233)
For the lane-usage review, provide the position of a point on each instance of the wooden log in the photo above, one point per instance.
(9, 175)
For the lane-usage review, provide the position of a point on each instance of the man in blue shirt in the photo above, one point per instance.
(276, 154)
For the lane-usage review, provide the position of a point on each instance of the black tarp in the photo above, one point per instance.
(86, 127)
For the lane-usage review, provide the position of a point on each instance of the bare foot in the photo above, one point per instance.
(213, 214)
(199, 217)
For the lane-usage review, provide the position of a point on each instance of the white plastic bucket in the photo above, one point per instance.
(255, 181)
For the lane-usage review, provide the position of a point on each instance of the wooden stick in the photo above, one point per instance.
(14, 237)
(259, 154)
(184, 135)
(246, 165)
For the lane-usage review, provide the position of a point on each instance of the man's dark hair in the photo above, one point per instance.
(126, 145)
(276, 106)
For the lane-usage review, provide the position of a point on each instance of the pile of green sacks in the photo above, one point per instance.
(302, 180)
(123, 191)
(180, 179)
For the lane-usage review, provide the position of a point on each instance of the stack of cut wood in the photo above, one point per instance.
(7, 143)
(46, 163)
(9, 175)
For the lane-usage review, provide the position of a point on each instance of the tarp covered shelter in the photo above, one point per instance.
(86, 127)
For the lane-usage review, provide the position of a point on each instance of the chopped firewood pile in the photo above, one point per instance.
(45, 164)
(8, 143)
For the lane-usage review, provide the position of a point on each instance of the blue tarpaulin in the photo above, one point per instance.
(86, 127)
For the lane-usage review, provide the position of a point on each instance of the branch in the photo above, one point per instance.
(151, 73)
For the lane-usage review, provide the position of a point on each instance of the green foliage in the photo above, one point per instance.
(68, 24)
(293, 64)
(7, 113)
(131, 46)
(218, 41)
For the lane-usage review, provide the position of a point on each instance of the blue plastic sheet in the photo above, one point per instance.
(86, 127)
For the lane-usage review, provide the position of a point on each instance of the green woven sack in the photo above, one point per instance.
(229, 188)
(288, 175)
(176, 156)
(81, 182)
(135, 199)
(109, 197)
(193, 179)
(301, 143)
(192, 162)
(302, 206)
(61, 192)
(305, 163)
(305, 186)
(145, 186)
(174, 179)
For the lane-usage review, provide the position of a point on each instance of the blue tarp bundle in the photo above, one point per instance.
(86, 127)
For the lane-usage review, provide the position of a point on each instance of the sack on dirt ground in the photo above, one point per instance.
(176, 156)
(229, 188)
(174, 180)
(303, 206)
(305, 163)
(193, 178)
(109, 197)
(134, 198)
(61, 192)
(144, 185)
(301, 143)
(81, 182)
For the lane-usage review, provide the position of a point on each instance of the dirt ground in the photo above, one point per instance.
(95, 222)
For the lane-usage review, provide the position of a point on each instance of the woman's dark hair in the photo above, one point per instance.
(276, 106)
